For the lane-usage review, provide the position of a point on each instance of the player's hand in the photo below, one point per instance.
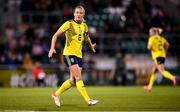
(93, 47)
(51, 51)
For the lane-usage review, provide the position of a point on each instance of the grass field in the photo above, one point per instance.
(162, 98)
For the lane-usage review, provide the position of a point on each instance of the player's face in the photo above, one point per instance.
(151, 32)
(78, 14)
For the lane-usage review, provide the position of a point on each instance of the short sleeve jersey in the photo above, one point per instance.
(157, 43)
(75, 34)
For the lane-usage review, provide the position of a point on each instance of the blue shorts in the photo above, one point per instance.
(160, 60)
(72, 60)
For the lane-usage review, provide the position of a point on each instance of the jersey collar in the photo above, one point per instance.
(77, 22)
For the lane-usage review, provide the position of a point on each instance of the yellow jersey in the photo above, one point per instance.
(75, 34)
(157, 44)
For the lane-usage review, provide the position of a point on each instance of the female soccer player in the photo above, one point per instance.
(76, 31)
(158, 46)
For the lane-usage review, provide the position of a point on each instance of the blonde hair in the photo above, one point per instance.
(80, 7)
(156, 30)
(159, 30)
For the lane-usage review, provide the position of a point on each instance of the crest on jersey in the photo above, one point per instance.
(72, 60)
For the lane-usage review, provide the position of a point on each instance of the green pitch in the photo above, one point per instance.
(161, 98)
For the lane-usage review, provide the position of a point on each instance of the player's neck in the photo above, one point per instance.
(78, 22)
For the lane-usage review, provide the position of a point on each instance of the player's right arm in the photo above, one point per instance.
(149, 46)
(166, 46)
(53, 42)
(62, 29)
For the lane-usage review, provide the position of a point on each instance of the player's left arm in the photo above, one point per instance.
(166, 46)
(89, 42)
(88, 39)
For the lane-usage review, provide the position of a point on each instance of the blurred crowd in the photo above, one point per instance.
(116, 16)
(22, 43)
(26, 42)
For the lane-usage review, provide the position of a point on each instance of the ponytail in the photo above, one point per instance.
(159, 30)
(84, 20)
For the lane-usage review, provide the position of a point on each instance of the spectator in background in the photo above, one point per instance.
(92, 69)
(120, 71)
(39, 74)
(27, 62)
(37, 50)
